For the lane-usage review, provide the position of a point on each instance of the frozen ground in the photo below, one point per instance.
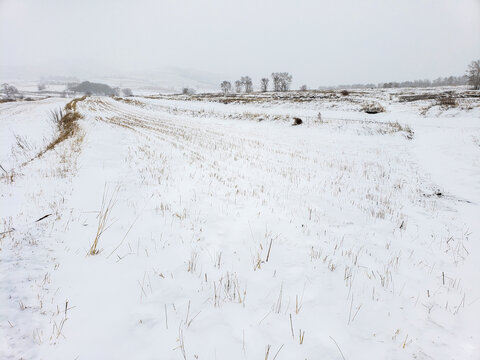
(235, 238)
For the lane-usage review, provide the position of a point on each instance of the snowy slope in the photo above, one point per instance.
(231, 238)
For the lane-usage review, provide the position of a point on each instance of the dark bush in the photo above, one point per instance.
(297, 121)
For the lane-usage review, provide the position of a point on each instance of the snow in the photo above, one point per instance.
(28, 121)
(227, 233)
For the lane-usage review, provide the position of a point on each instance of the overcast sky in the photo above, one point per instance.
(321, 42)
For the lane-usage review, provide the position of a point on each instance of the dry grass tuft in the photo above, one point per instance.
(128, 101)
(65, 122)
(67, 126)
(103, 218)
(9, 176)
(72, 105)
(397, 127)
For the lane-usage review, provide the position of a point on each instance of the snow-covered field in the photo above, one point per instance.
(231, 234)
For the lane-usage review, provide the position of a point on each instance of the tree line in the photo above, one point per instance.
(281, 81)
(471, 77)
(90, 88)
(441, 81)
(419, 83)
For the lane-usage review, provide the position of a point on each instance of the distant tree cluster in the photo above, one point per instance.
(264, 84)
(89, 88)
(226, 87)
(188, 91)
(10, 91)
(472, 77)
(473, 74)
(441, 81)
(247, 84)
(281, 82)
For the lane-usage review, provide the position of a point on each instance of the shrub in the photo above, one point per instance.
(373, 108)
(188, 91)
(297, 121)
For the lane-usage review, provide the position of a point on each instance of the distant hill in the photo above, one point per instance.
(165, 80)
(142, 81)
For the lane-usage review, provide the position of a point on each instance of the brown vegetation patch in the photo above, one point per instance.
(447, 102)
(128, 101)
(6, 100)
(66, 123)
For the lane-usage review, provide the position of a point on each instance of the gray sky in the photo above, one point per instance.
(321, 42)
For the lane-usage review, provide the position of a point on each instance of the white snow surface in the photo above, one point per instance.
(231, 238)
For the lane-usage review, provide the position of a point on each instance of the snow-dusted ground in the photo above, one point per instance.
(233, 238)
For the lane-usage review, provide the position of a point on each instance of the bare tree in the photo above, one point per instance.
(238, 86)
(127, 92)
(226, 87)
(276, 81)
(286, 81)
(188, 91)
(303, 88)
(281, 81)
(9, 90)
(473, 74)
(264, 84)
(247, 83)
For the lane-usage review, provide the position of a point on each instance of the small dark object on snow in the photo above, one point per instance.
(438, 193)
(43, 217)
(297, 121)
